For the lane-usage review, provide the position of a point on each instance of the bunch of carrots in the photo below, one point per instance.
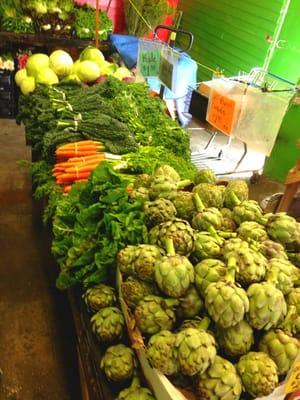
(76, 162)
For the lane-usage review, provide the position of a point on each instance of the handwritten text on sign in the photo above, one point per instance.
(149, 62)
(221, 112)
(293, 382)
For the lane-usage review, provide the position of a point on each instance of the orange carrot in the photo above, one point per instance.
(67, 188)
(85, 168)
(69, 178)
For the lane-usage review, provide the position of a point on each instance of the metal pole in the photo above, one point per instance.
(97, 24)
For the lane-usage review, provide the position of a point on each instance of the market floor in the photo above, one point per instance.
(37, 342)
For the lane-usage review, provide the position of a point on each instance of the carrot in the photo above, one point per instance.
(69, 178)
(86, 158)
(86, 168)
(67, 188)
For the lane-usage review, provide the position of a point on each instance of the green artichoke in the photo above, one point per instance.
(158, 211)
(281, 347)
(226, 212)
(168, 171)
(211, 195)
(135, 392)
(267, 306)
(118, 363)
(196, 350)
(225, 302)
(207, 272)
(293, 299)
(235, 245)
(99, 296)
(271, 249)
(108, 324)
(228, 224)
(161, 352)
(258, 372)
(206, 246)
(163, 187)
(219, 382)
(251, 230)
(284, 229)
(251, 266)
(191, 323)
(205, 175)
(240, 190)
(189, 305)
(206, 218)
(248, 210)
(141, 193)
(173, 273)
(236, 340)
(179, 231)
(134, 290)
(125, 259)
(284, 274)
(154, 314)
(184, 205)
(146, 257)
(143, 180)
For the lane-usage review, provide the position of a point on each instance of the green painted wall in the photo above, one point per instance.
(230, 34)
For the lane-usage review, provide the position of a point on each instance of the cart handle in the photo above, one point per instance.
(175, 30)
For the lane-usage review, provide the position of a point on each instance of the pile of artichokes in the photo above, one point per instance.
(215, 292)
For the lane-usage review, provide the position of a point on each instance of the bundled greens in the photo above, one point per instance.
(85, 23)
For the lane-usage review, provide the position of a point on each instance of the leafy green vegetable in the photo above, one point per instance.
(85, 23)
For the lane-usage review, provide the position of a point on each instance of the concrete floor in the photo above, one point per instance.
(37, 343)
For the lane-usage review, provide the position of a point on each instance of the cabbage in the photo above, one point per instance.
(20, 75)
(122, 73)
(47, 77)
(88, 71)
(36, 63)
(75, 66)
(108, 68)
(27, 85)
(71, 78)
(61, 63)
(91, 53)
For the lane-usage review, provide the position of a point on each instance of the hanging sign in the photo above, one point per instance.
(221, 112)
(168, 67)
(149, 58)
(293, 380)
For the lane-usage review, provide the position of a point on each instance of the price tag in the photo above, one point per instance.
(149, 62)
(221, 112)
(166, 72)
(293, 381)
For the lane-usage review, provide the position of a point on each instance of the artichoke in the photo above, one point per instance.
(219, 382)
(226, 212)
(163, 187)
(225, 302)
(207, 272)
(267, 306)
(294, 258)
(134, 290)
(284, 274)
(211, 195)
(144, 262)
(161, 352)
(158, 211)
(118, 363)
(179, 231)
(235, 245)
(173, 273)
(284, 229)
(184, 205)
(125, 259)
(168, 171)
(236, 340)
(140, 193)
(271, 249)
(251, 266)
(205, 175)
(258, 372)
(251, 230)
(189, 305)
(206, 218)
(248, 210)
(108, 324)
(240, 190)
(143, 180)
(154, 314)
(293, 299)
(281, 347)
(99, 296)
(206, 246)
(228, 224)
(196, 349)
(135, 392)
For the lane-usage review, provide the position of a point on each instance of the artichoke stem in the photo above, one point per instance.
(135, 383)
(204, 323)
(231, 270)
(227, 235)
(214, 234)
(235, 200)
(198, 203)
(170, 247)
(182, 184)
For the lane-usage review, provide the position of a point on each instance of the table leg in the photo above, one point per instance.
(287, 197)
